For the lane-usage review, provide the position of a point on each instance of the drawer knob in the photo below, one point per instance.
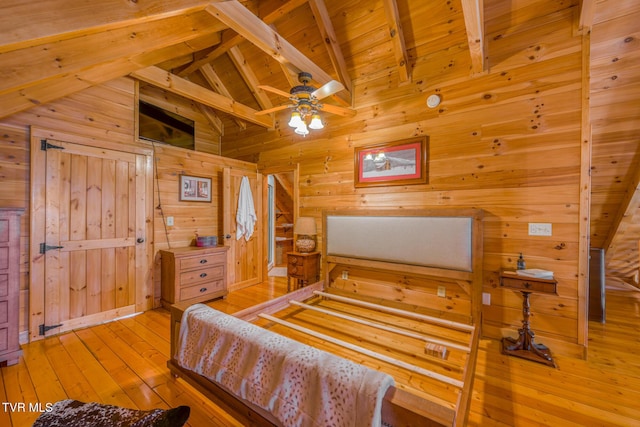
(527, 285)
(293, 260)
(203, 275)
(203, 289)
(203, 261)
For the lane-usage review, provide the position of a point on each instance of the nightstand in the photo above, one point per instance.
(524, 346)
(303, 268)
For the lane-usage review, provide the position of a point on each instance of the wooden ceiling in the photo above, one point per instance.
(218, 53)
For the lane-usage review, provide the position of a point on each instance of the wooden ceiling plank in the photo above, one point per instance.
(35, 64)
(625, 215)
(323, 20)
(397, 40)
(176, 84)
(55, 20)
(230, 38)
(214, 81)
(51, 89)
(252, 28)
(249, 77)
(473, 11)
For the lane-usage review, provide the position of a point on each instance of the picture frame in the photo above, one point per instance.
(402, 162)
(195, 189)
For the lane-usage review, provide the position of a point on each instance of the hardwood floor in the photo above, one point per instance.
(124, 363)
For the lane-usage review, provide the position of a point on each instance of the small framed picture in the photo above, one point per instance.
(391, 163)
(195, 189)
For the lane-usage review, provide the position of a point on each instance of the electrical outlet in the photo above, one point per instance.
(345, 274)
(540, 229)
(170, 221)
(442, 291)
(486, 298)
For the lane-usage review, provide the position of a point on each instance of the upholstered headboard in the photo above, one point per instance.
(431, 241)
(439, 238)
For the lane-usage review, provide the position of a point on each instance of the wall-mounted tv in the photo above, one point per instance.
(157, 124)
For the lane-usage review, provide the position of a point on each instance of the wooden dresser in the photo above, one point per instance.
(9, 285)
(193, 274)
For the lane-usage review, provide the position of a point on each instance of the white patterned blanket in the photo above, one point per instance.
(298, 384)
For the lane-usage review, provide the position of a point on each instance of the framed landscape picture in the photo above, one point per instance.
(195, 188)
(391, 163)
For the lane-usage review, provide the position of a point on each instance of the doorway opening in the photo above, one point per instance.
(282, 207)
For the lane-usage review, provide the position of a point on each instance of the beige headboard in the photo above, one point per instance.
(428, 238)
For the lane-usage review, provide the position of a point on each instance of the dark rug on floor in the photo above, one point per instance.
(73, 413)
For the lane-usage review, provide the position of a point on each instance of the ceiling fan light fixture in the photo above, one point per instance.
(316, 122)
(302, 129)
(296, 120)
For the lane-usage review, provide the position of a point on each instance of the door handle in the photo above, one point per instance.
(140, 240)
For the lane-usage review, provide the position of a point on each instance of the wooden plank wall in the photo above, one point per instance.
(506, 141)
(108, 110)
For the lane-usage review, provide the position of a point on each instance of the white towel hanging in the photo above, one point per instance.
(246, 215)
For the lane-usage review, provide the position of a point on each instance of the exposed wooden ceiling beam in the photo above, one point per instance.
(325, 26)
(249, 77)
(58, 86)
(176, 84)
(397, 40)
(473, 11)
(214, 81)
(213, 118)
(230, 38)
(587, 12)
(252, 28)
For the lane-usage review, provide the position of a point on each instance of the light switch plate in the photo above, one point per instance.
(442, 291)
(540, 229)
(486, 298)
(170, 221)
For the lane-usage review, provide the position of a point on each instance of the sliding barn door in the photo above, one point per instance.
(89, 249)
(245, 258)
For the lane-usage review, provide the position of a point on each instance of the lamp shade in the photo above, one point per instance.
(305, 225)
(302, 129)
(316, 122)
(296, 120)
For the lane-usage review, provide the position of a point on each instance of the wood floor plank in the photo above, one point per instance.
(128, 357)
(139, 392)
(105, 386)
(72, 379)
(19, 389)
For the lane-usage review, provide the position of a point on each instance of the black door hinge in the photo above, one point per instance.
(43, 329)
(44, 247)
(44, 145)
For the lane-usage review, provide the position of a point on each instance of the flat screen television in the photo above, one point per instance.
(157, 124)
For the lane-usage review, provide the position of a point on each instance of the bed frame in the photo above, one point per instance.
(401, 293)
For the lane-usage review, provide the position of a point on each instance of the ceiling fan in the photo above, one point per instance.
(305, 102)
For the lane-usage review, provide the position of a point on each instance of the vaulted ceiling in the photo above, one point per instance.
(220, 53)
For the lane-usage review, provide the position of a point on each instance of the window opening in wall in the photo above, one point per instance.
(156, 124)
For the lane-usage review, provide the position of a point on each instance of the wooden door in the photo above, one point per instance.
(90, 223)
(245, 258)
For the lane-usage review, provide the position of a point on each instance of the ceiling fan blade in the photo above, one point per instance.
(274, 109)
(341, 111)
(328, 89)
(274, 90)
